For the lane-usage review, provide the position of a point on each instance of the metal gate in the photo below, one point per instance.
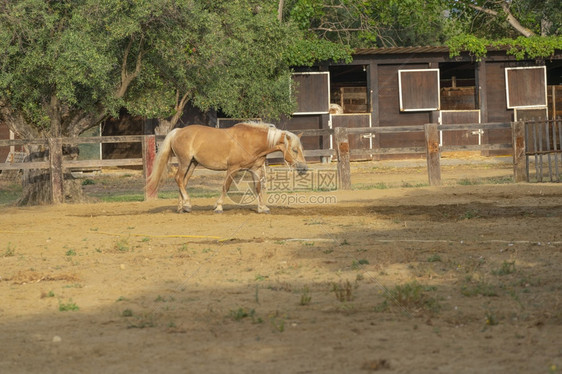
(543, 151)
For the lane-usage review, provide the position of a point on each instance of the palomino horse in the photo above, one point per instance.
(241, 147)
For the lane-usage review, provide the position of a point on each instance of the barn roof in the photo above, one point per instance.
(423, 49)
(400, 50)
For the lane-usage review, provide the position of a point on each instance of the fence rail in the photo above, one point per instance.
(341, 150)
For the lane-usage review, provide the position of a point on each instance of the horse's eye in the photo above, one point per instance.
(295, 150)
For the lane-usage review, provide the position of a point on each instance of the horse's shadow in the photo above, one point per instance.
(206, 209)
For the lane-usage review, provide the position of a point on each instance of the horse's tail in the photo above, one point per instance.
(160, 163)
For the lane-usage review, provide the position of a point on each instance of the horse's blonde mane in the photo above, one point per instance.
(273, 133)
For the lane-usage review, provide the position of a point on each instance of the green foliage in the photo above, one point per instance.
(521, 47)
(470, 43)
(533, 47)
(86, 59)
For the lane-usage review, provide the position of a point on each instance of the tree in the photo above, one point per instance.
(527, 28)
(67, 65)
(64, 66)
(508, 18)
(234, 61)
(368, 23)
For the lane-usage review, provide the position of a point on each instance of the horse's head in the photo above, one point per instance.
(292, 151)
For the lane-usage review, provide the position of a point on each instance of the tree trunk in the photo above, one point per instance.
(36, 184)
(166, 125)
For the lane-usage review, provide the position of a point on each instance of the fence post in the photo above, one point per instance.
(56, 172)
(433, 154)
(342, 151)
(519, 157)
(148, 156)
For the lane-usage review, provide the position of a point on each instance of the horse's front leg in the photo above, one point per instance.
(260, 174)
(225, 188)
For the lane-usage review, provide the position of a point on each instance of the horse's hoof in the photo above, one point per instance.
(264, 211)
(185, 209)
(218, 211)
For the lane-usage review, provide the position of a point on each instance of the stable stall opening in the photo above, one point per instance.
(458, 86)
(348, 88)
(554, 91)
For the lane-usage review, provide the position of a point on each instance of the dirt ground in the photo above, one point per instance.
(393, 276)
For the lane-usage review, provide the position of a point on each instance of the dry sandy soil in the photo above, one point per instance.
(463, 278)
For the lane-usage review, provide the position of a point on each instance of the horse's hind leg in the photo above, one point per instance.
(182, 177)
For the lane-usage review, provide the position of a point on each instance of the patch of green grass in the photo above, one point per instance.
(506, 268)
(343, 291)
(142, 321)
(74, 285)
(468, 182)
(416, 185)
(499, 180)
(127, 313)
(491, 318)
(70, 252)
(470, 214)
(411, 296)
(122, 245)
(278, 324)
(480, 288)
(305, 296)
(242, 313)
(9, 251)
(164, 299)
(356, 264)
(434, 258)
(376, 186)
(70, 306)
(47, 294)
(490, 180)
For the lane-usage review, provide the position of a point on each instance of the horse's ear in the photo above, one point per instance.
(299, 135)
(282, 138)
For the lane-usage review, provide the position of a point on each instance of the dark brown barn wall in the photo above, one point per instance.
(389, 106)
(497, 102)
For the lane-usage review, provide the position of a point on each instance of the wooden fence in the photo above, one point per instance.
(543, 141)
(341, 151)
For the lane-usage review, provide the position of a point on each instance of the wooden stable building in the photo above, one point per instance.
(407, 86)
(385, 87)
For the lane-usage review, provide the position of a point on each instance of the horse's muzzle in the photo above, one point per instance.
(302, 169)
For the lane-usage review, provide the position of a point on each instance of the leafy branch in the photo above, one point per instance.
(534, 47)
